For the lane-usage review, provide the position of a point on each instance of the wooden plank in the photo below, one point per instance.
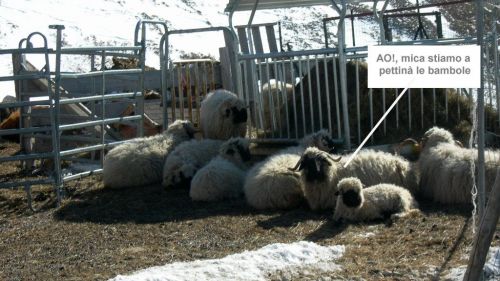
(484, 235)
(225, 62)
(257, 40)
(242, 36)
(271, 38)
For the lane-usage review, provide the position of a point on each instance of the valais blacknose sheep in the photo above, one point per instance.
(223, 115)
(355, 203)
(445, 168)
(187, 158)
(222, 178)
(321, 175)
(140, 161)
(270, 184)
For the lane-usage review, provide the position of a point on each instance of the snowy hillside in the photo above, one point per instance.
(112, 23)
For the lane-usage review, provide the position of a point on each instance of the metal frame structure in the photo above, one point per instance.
(168, 69)
(55, 101)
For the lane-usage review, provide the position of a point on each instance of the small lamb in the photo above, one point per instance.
(375, 202)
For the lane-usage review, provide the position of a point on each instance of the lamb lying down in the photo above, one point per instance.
(374, 202)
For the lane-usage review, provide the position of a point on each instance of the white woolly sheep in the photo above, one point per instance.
(223, 115)
(222, 178)
(321, 175)
(270, 184)
(355, 203)
(187, 158)
(275, 97)
(139, 162)
(445, 168)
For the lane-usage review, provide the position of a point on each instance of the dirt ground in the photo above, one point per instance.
(98, 233)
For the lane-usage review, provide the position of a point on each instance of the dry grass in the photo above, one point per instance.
(99, 233)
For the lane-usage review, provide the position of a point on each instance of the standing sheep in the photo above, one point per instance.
(445, 168)
(187, 158)
(374, 202)
(223, 176)
(320, 175)
(270, 184)
(139, 162)
(223, 115)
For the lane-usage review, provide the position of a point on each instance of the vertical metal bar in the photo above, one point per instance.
(328, 105)
(286, 98)
(56, 141)
(250, 107)
(261, 98)
(337, 103)
(309, 83)
(165, 77)
(459, 94)
(358, 106)
(172, 94)
(270, 105)
(343, 73)
(318, 92)
(103, 116)
(280, 87)
(142, 61)
(302, 98)
(295, 117)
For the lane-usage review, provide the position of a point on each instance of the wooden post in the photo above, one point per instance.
(225, 69)
(484, 235)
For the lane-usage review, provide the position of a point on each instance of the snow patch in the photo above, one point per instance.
(491, 269)
(248, 266)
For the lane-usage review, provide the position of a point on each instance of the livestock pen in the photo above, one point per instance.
(289, 93)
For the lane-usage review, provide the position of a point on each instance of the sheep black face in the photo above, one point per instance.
(190, 131)
(328, 142)
(351, 199)
(239, 115)
(314, 167)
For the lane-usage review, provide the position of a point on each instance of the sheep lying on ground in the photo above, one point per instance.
(374, 202)
(270, 184)
(223, 176)
(187, 158)
(223, 115)
(445, 168)
(139, 162)
(320, 175)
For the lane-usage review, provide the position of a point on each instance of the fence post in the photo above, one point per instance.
(484, 235)
(56, 135)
